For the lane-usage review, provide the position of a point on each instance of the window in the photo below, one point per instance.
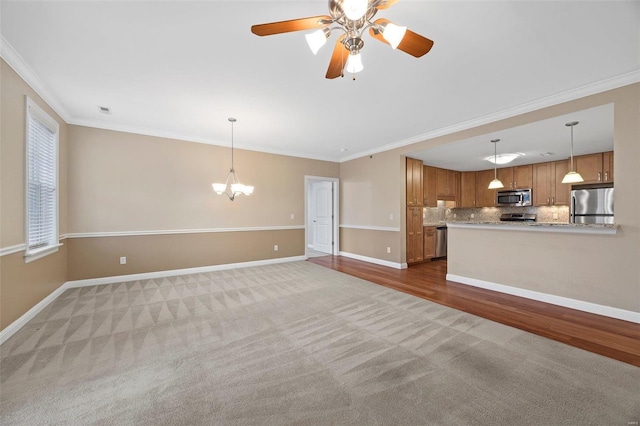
(41, 181)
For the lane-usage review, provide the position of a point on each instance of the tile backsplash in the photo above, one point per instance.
(551, 214)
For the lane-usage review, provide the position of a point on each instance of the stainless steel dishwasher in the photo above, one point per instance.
(441, 241)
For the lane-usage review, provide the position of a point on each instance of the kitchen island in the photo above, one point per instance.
(559, 263)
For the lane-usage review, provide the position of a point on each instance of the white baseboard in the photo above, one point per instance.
(174, 272)
(579, 305)
(374, 260)
(12, 328)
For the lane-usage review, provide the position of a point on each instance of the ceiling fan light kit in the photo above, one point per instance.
(352, 17)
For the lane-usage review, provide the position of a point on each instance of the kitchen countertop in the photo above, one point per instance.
(441, 223)
(584, 228)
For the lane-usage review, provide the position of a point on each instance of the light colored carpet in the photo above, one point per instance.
(294, 343)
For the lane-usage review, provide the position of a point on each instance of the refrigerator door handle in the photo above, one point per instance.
(572, 215)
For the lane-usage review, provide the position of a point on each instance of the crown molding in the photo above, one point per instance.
(20, 66)
(140, 130)
(566, 96)
(15, 61)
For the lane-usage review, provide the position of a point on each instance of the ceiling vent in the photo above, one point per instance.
(104, 109)
(546, 154)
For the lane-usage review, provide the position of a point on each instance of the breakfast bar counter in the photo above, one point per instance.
(558, 227)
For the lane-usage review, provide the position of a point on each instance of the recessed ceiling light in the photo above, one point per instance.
(546, 154)
(104, 109)
(504, 158)
(344, 150)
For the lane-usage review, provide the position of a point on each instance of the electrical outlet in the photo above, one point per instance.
(293, 216)
(454, 215)
(555, 216)
(472, 215)
(123, 260)
(275, 247)
(424, 215)
(388, 249)
(391, 216)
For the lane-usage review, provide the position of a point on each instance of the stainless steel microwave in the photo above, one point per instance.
(514, 197)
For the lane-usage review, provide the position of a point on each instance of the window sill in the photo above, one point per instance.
(40, 253)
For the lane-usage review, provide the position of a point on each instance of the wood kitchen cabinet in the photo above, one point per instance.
(467, 190)
(447, 183)
(523, 177)
(485, 197)
(595, 168)
(518, 177)
(414, 235)
(429, 248)
(414, 182)
(560, 192)
(548, 189)
(607, 166)
(430, 198)
(590, 167)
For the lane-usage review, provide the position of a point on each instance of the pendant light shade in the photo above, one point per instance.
(495, 183)
(572, 176)
(354, 63)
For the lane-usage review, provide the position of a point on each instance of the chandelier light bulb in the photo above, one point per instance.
(355, 9)
(354, 63)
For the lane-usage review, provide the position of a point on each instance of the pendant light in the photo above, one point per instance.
(232, 186)
(495, 183)
(572, 176)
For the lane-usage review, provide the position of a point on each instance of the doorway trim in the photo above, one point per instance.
(335, 185)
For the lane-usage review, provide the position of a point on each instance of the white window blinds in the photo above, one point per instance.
(41, 180)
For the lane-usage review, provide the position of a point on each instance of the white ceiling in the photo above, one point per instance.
(180, 68)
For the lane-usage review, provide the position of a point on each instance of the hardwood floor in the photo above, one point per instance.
(603, 335)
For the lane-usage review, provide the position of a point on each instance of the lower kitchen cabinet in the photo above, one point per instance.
(429, 242)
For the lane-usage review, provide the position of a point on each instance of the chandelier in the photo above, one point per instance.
(232, 186)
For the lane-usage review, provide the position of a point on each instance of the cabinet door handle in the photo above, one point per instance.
(606, 176)
(553, 201)
(515, 184)
(547, 200)
(599, 176)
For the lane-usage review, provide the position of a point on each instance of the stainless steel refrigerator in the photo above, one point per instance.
(592, 205)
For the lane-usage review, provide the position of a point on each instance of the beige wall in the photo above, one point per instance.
(127, 182)
(123, 182)
(371, 243)
(23, 285)
(99, 257)
(605, 261)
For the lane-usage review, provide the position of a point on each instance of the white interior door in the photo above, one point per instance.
(322, 216)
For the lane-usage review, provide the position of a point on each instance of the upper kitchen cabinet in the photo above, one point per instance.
(429, 186)
(447, 182)
(523, 177)
(589, 167)
(595, 168)
(485, 197)
(467, 190)
(414, 182)
(518, 177)
(607, 166)
(547, 188)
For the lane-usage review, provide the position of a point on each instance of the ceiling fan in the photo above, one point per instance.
(352, 17)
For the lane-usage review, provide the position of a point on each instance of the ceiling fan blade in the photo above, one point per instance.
(291, 25)
(387, 4)
(338, 60)
(413, 43)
